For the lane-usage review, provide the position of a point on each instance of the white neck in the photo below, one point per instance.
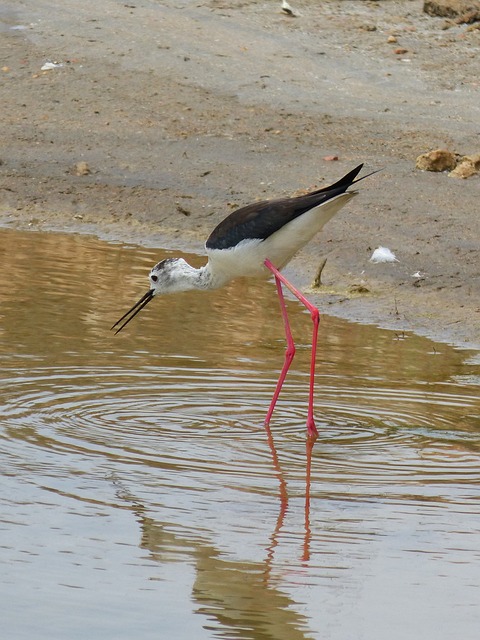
(201, 278)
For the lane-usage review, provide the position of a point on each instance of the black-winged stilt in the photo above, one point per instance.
(253, 241)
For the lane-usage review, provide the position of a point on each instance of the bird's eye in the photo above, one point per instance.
(154, 278)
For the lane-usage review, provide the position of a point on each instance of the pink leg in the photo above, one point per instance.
(290, 352)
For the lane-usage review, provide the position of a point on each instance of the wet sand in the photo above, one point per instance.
(185, 111)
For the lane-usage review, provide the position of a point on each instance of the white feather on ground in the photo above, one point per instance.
(382, 254)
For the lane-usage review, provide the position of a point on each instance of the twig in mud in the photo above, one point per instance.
(397, 312)
(317, 283)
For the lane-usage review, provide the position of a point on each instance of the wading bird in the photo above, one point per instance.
(254, 241)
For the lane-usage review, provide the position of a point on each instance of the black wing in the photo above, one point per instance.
(260, 219)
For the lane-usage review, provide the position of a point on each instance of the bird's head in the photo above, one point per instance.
(167, 276)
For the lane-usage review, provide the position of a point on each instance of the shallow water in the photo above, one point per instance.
(142, 497)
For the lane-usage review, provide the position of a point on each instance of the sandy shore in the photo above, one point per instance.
(183, 111)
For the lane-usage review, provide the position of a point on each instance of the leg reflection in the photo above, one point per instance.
(308, 532)
(283, 495)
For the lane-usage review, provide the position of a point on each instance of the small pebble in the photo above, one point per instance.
(81, 169)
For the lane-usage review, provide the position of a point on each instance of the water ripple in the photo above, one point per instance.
(188, 418)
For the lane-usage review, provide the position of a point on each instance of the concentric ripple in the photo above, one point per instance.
(185, 387)
(191, 418)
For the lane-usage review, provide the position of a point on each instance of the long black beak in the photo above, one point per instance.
(131, 313)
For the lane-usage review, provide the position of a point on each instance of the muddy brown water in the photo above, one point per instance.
(142, 497)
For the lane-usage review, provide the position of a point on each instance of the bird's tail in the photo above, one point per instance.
(344, 183)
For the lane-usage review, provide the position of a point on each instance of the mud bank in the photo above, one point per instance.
(184, 111)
